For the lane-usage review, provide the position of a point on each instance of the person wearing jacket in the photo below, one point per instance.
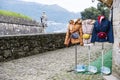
(102, 31)
(74, 34)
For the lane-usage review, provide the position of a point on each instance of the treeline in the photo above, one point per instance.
(93, 13)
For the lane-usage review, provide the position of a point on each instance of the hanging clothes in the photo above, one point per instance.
(67, 37)
(74, 34)
(102, 31)
(87, 26)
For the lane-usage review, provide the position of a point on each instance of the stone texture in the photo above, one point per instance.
(21, 21)
(7, 53)
(111, 77)
(116, 46)
(52, 65)
(13, 47)
(13, 26)
(1, 58)
(15, 29)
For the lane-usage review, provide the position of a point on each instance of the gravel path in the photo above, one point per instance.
(52, 65)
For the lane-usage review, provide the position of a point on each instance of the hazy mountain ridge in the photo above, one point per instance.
(54, 12)
(34, 10)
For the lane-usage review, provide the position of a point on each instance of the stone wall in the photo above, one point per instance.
(13, 47)
(20, 21)
(15, 29)
(14, 26)
(116, 47)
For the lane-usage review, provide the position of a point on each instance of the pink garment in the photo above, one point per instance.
(87, 27)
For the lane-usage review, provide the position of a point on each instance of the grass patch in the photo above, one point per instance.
(14, 14)
(107, 61)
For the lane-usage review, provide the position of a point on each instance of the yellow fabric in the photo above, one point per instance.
(86, 36)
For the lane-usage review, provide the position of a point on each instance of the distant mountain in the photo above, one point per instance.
(34, 10)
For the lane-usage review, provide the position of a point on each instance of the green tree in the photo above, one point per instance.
(93, 13)
(103, 9)
(90, 13)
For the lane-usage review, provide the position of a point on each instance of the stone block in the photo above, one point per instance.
(110, 77)
(7, 53)
(1, 58)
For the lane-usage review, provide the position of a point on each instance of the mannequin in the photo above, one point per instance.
(102, 31)
(74, 33)
(74, 36)
(87, 26)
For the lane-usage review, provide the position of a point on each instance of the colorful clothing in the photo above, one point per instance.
(102, 26)
(77, 28)
(87, 26)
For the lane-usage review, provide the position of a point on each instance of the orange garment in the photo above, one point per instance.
(77, 27)
(67, 37)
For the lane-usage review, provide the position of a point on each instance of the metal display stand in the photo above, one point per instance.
(78, 68)
(104, 69)
(92, 69)
(75, 57)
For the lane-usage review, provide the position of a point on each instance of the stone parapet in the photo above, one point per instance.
(14, 26)
(13, 47)
(20, 21)
(15, 29)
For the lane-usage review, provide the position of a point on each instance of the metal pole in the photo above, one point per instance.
(105, 70)
(102, 58)
(75, 57)
(102, 53)
(89, 54)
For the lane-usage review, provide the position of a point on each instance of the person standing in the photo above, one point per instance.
(44, 20)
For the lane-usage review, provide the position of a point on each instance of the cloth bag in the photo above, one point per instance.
(75, 35)
(86, 36)
(102, 35)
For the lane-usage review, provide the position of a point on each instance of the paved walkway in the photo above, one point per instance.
(52, 65)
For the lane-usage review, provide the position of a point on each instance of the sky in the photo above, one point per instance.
(70, 5)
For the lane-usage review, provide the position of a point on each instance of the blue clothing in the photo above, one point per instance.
(104, 26)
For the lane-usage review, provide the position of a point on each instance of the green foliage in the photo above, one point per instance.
(103, 9)
(93, 13)
(90, 13)
(13, 14)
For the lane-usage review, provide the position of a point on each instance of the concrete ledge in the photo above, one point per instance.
(110, 77)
